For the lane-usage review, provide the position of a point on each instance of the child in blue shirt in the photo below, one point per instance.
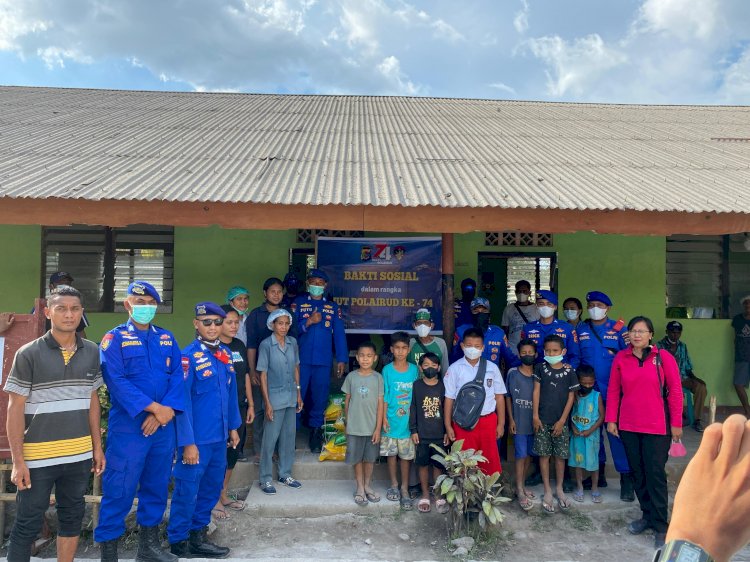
(396, 443)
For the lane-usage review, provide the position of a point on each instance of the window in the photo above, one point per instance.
(307, 235)
(103, 261)
(537, 270)
(513, 238)
(706, 275)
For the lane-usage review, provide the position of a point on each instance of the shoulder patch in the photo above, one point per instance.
(185, 367)
(106, 340)
(165, 336)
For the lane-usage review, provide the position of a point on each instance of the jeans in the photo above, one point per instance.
(70, 482)
(283, 429)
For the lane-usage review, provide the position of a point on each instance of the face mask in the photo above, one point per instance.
(597, 313)
(528, 359)
(482, 320)
(238, 311)
(209, 344)
(571, 314)
(423, 330)
(468, 295)
(430, 372)
(546, 311)
(472, 353)
(316, 290)
(585, 391)
(522, 297)
(143, 313)
(553, 359)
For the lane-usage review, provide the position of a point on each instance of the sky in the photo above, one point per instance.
(613, 51)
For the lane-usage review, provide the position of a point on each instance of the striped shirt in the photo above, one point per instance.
(58, 399)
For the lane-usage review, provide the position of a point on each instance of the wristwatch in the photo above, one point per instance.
(682, 551)
(299, 387)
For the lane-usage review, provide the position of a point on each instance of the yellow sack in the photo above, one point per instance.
(333, 452)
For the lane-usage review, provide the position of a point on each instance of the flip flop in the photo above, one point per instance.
(564, 504)
(235, 505)
(525, 503)
(596, 497)
(442, 506)
(220, 514)
(530, 495)
(423, 505)
(372, 497)
(393, 494)
(548, 507)
(578, 496)
(360, 500)
(406, 504)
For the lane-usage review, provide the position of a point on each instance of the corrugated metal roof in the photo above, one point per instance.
(353, 150)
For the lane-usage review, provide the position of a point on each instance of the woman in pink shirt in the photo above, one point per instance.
(644, 408)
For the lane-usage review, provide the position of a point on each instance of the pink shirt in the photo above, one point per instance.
(634, 397)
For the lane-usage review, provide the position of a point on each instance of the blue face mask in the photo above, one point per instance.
(553, 359)
(143, 313)
(316, 290)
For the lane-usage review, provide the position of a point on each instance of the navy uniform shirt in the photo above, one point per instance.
(496, 346)
(140, 367)
(315, 342)
(211, 409)
(537, 331)
(600, 354)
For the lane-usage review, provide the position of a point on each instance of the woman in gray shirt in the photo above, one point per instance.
(278, 365)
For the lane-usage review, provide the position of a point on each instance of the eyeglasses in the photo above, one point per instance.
(215, 321)
(640, 332)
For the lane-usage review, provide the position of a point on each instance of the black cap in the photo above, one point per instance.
(674, 326)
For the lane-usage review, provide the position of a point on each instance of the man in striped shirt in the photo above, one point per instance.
(53, 427)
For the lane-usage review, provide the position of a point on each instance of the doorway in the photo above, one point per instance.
(301, 261)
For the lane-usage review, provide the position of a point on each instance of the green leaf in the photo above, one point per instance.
(492, 479)
(450, 496)
(456, 447)
(492, 517)
(446, 485)
(486, 507)
(482, 520)
(441, 459)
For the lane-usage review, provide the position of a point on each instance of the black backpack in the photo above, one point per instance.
(470, 398)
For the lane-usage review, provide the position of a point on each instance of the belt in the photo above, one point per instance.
(485, 415)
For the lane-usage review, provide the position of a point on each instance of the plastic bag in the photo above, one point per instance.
(332, 451)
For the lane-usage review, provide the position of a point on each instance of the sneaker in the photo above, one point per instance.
(638, 526)
(659, 539)
(698, 426)
(290, 482)
(267, 488)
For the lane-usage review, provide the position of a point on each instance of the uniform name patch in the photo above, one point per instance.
(202, 366)
(133, 342)
(165, 342)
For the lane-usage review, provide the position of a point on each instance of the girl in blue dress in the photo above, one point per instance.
(586, 419)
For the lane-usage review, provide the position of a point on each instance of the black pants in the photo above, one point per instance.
(70, 482)
(647, 457)
(234, 454)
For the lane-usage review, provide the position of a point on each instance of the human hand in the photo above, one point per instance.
(612, 428)
(415, 438)
(512, 427)
(537, 424)
(6, 321)
(626, 337)
(21, 476)
(254, 377)
(557, 429)
(500, 431)
(446, 440)
(300, 403)
(386, 425)
(315, 317)
(98, 461)
(450, 433)
(376, 436)
(234, 438)
(190, 455)
(715, 482)
(676, 433)
(150, 425)
(164, 414)
(250, 413)
(340, 366)
(269, 412)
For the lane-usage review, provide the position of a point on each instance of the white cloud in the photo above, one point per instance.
(521, 20)
(736, 86)
(685, 19)
(390, 67)
(572, 67)
(446, 31)
(503, 88)
(54, 57)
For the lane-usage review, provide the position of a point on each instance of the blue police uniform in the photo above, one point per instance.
(139, 368)
(462, 312)
(315, 351)
(211, 412)
(598, 347)
(536, 331)
(496, 346)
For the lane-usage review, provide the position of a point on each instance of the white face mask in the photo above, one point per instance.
(546, 311)
(423, 330)
(571, 314)
(596, 313)
(522, 297)
(472, 353)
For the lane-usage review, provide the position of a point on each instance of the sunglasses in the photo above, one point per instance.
(208, 321)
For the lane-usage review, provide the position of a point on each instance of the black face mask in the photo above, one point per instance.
(585, 391)
(528, 359)
(482, 320)
(292, 287)
(430, 372)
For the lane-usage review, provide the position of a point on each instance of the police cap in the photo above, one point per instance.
(598, 296)
(143, 289)
(480, 301)
(547, 295)
(319, 273)
(209, 309)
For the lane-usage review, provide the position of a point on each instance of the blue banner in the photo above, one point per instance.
(380, 283)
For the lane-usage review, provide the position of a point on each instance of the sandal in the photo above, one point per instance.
(220, 513)
(578, 496)
(548, 506)
(372, 497)
(393, 494)
(235, 505)
(442, 506)
(563, 503)
(423, 505)
(525, 503)
(360, 500)
(406, 504)
(596, 497)
(530, 495)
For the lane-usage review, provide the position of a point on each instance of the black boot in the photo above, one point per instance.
(602, 475)
(149, 547)
(180, 549)
(109, 550)
(626, 488)
(316, 439)
(200, 547)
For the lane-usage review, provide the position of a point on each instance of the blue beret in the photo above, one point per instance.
(480, 301)
(598, 296)
(209, 309)
(319, 273)
(142, 289)
(547, 295)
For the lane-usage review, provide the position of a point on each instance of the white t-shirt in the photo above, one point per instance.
(515, 322)
(461, 372)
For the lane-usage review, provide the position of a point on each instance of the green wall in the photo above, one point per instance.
(631, 269)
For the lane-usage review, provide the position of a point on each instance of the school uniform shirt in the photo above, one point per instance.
(363, 391)
(555, 386)
(397, 388)
(462, 372)
(521, 393)
(426, 411)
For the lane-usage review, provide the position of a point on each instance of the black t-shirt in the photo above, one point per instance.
(239, 361)
(426, 412)
(555, 386)
(741, 327)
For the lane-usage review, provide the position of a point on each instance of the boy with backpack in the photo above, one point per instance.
(474, 395)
